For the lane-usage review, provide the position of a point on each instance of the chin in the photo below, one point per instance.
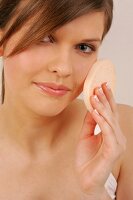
(47, 107)
(44, 105)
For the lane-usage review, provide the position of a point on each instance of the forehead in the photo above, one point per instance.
(91, 24)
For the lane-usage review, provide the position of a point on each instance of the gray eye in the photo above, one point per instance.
(85, 48)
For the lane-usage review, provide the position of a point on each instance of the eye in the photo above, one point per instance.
(85, 48)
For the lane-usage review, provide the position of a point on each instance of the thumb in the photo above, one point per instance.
(88, 127)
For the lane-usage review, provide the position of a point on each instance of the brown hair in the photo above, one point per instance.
(47, 16)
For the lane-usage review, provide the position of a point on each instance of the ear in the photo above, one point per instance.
(1, 47)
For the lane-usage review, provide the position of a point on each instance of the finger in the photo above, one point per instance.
(96, 104)
(110, 97)
(110, 120)
(102, 97)
(114, 140)
(88, 127)
(107, 131)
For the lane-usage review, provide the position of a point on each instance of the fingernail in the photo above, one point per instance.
(107, 85)
(96, 98)
(100, 90)
(96, 112)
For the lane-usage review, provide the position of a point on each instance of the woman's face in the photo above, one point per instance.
(66, 60)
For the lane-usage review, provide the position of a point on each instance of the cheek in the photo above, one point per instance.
(11, 73)
(22, 68)
(82, 69)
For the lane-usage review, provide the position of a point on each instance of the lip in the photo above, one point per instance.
(52, 88)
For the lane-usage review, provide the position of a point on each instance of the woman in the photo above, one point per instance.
(48, 147)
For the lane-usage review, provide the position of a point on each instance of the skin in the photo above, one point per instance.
(68, 66)
(37, 134)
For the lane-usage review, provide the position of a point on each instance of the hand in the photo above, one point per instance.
(96, 154)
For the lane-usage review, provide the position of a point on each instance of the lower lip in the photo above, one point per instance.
(52, 91)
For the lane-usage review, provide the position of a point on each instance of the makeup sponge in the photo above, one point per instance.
(101, 71)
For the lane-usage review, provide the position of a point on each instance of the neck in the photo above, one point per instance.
(31, 131)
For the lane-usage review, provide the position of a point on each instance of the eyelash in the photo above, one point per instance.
(92, 47)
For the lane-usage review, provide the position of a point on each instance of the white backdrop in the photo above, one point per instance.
(118, 46)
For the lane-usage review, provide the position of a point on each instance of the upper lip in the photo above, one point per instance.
(53, 86)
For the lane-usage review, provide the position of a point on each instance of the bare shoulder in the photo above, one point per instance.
(125, 114)
(126, 120)
(125, 180)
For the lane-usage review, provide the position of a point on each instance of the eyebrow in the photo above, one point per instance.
(85, 40)
(91, 40)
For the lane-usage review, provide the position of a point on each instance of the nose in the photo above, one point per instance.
(61, 64)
